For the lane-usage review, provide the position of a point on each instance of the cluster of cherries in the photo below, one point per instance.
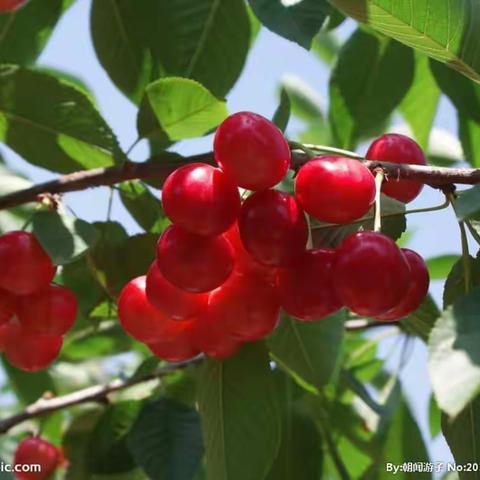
(37, 451)
(34, 312)
(224, 268)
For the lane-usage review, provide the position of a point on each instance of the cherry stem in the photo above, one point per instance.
(303, 148)
(379, 177)
(326, 149)
(472, 231)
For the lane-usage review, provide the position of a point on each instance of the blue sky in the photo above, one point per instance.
(70, 50)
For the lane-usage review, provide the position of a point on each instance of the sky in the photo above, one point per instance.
(70, 49)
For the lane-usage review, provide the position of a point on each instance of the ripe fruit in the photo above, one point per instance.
(28, 351)
(25, 266)
(244, 262)
(51, 311)
(171, 300)
(138, 317)
(193, 262)
(273, 228)
(201, 199)
(371, 274)
(335, 189)
(396, 148)
(8, 303)
(252, 151)
(247, 305)
(306, 288)
(212, 337)
(10, 5)
(178, 345)
(417, 289)
(36, 451)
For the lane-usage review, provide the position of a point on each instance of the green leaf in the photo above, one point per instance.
(28, 387)
(434, 418)
(310, 351)
(326, 45)
(166, 440)
(64, 238)
(108, 450)
(297, 21)
(424, 91)
(469, 134)
(143, 206)
(463, 437)
(76, 444)
(24, 33)
(421, 321)
(463, 93)
(300, 454)
(305, 102)
(240, 415)
(468, 203)
(282, 114)
(454, 358)
(360, 102)
(455, 284)
(439, 267)
(206, 40)
(183, 108)
(58, 128)
(442, 29)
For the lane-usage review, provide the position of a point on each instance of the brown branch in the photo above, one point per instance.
(160, 167)
(97, 393)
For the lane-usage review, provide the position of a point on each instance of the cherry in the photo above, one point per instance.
(212, 337)
(396, 148)
(25, 266)
(201, 199)
(36, 451)
(28, 351)
(193, 262)
(335, 189)
(417, 289)
(247, 305)
(305, 289)
(252, 151)
(139, 318)
(171, 300)
(51, 311)
(10, 5)
(244, 262)
(273, 228)
(4, 329)
(178, 346)
(8, 306)
(371, 274)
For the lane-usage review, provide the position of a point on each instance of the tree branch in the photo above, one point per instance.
(44, 406)
(161, 166)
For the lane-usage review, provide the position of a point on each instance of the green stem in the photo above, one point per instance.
(132, 146)
(326, 149)
(472, 231)
(303, 148)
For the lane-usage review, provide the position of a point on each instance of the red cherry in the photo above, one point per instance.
(4, 329)
(252, 151)
(273, 228)
(25, 266)
(51, 311)
(171, 300)
(244, 262)
(335, 189)
(28, 351)
(247, 305)
(36, 451)
(8, 306)
(212, 337)
(201, 199)
(371, 274)
(10, 5)
(178, 345)
(138, 317)
(306, 289)
(192, 262)
(417, 289)
(396, 148)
